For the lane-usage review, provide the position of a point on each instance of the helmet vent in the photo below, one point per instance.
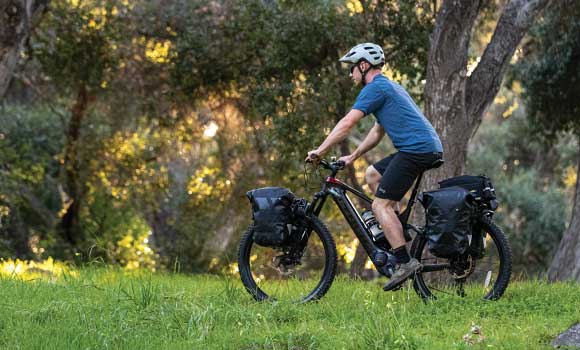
(368, 52)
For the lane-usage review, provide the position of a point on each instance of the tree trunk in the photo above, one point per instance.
(163, 235)
(74, 191)
(454, 101)
(566, 263)
(17, 17)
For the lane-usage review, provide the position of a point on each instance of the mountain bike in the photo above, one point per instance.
(305, 268)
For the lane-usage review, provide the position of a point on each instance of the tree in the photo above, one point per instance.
(456, 99)
(550, 75)
(17, 19)
(76, 48)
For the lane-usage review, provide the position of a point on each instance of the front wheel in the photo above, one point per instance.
(281, 274)
(469, 275)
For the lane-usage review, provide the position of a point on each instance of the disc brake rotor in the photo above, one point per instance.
(462, 267)
(284, 264)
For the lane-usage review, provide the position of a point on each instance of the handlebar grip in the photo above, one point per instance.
(312, 157)
(340, 163)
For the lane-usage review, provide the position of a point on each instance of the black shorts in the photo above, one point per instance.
(399, 171)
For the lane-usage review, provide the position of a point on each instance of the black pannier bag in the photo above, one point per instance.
(484, 193)
(449, 213)
(272, 213)
(480, 186)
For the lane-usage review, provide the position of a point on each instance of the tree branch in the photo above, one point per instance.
(447, 66)
(451, 35)
(18, 18)
(485, 81)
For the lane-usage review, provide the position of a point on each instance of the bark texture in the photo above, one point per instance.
(566, 263)
(17, 18)
(454, 101)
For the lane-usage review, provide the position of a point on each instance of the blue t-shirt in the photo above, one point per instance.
(396, 112)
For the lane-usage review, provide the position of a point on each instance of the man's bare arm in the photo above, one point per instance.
(340, 131)
(371, 140)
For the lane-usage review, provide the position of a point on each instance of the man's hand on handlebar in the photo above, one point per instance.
(313, 157)
(348, 160)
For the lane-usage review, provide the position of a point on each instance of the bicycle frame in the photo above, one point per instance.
(337, 190)
(383, 260)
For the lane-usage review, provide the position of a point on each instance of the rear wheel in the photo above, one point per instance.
(282, 274)
(467, 275)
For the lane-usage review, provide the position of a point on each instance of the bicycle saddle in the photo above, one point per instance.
(436, 164)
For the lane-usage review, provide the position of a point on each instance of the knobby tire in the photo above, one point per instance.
(330, 257)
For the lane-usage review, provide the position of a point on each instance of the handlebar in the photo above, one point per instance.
(333, 165)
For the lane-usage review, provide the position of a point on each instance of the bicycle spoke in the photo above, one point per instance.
(439, 290)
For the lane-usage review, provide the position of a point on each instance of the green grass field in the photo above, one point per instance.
(109, 309)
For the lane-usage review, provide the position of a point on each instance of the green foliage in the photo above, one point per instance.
(550, 76)
(30, 144)
(278, 63)
(77, 42)
(550, 73)
(159, 75)
(536, 219)
(533, 205)
(108, 309)
(116, 234)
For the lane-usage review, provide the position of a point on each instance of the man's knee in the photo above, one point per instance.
(384, 204)
(372, 176)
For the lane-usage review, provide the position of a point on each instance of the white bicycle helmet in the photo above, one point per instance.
(372, 53)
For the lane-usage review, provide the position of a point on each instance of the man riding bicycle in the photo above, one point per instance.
(418, 146)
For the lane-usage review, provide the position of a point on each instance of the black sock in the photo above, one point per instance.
(402, 255)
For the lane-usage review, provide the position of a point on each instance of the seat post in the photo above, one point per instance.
(415, 190)
(404, 216)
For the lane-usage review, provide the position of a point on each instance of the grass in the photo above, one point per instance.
(106, 308)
